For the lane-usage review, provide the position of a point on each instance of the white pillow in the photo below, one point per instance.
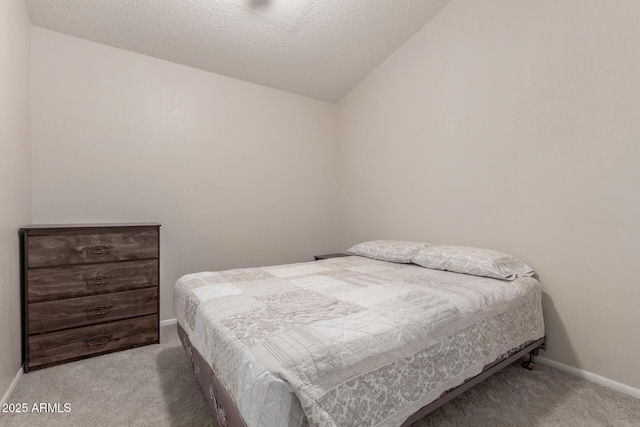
(476, 261)
(388, 250)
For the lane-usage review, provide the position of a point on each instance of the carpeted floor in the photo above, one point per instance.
(154, 386)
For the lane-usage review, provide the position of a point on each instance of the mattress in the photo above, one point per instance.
(350, 341)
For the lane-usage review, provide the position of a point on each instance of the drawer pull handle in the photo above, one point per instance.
(98, 340)
(99, 310)
(98, 250)
(102, 279)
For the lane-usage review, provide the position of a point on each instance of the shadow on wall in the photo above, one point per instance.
(558, 334)
(255, 4)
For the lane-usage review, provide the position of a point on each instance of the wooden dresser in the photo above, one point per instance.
(88, 290)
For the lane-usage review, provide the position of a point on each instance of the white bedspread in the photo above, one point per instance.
(350, 341)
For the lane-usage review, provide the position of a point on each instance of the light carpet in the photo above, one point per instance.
(155, 386)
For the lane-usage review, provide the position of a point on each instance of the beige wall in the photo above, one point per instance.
(237, 174)
(514, 125)
(15, 175)
(505, 124)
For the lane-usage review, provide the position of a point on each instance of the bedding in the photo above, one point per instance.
(388, 250)
(350, 341)
(475, 261)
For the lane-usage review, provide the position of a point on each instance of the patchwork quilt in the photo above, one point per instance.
(350, 341)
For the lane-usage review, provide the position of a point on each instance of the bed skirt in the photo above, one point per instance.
(223, 407)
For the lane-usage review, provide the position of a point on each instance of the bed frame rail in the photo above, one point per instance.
(531, 349)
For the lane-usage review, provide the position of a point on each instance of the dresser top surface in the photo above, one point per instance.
(98, 225)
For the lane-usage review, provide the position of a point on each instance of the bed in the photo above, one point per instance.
(349, 341)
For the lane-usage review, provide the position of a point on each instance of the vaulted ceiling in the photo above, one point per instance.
(317, 48)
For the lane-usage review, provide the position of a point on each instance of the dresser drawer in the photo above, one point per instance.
(67, 249)
(73, 312)
(91, 340)
(82, 280)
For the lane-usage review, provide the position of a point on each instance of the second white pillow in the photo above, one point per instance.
(475, 261)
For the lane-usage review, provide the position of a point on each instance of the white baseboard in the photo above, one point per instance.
(590, 376)
(12, 386)
(168, 322)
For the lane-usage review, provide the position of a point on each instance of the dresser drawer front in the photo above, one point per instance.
(67, 282)
(64, 345)
(91, 248)
(70, 313)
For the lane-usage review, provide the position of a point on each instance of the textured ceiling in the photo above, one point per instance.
(316, 48)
